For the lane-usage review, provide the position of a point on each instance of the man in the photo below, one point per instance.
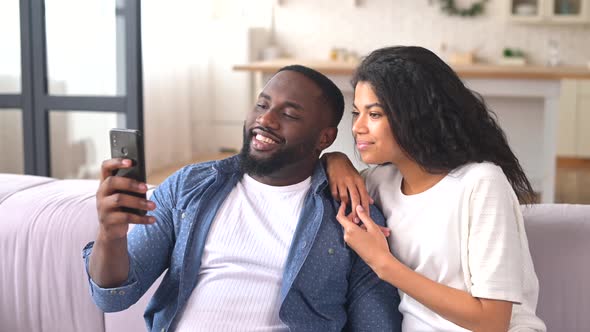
(250, 242)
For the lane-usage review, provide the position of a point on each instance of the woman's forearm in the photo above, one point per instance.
(452, 304)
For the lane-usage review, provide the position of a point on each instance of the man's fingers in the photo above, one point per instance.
(364, 198)
(334, 191)
(120, 200)
(355, 199)
(113, 184)
(109, 166)
(343, 192)
(120, 218)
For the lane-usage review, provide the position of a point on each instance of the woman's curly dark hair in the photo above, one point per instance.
(435, 119)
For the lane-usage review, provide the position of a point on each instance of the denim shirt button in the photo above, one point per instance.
(304, 244)
(182, 215)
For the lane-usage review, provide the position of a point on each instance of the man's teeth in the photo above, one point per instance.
(265, 139)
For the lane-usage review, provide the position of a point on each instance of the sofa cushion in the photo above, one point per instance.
(559, 240)
(44, 223)
(13, 183)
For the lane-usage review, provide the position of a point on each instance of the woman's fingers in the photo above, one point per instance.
(386, 231)
(344, 220)
(366, 219)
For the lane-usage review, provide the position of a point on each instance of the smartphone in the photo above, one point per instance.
(128, 144)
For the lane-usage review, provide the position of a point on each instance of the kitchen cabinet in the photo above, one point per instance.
(574, 119)
(549, 11)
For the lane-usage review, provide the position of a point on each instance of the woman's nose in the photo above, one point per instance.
(358, 125)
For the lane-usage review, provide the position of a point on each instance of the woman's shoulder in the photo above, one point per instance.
(477, 171)
(377, 173)
(484, 178)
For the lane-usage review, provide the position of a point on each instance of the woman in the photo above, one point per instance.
(448, 184)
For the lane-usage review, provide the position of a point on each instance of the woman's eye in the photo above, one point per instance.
(375, 115)
(355, 114)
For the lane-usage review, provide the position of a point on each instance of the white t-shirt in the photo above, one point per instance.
(243, 260)
(465, 232)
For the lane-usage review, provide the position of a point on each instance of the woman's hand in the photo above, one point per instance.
(367, 240)
(346, 184)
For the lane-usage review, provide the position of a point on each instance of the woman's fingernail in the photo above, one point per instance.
(356, 220)
(359, 208)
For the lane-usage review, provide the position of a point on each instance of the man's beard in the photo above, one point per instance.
(281, 158)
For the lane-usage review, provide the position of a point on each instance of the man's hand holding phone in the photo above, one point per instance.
(114, 196)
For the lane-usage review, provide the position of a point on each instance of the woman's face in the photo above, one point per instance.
(370, 128)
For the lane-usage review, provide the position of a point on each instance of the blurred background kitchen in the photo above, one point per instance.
(70, 70)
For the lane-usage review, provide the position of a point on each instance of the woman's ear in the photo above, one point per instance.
(327, 137)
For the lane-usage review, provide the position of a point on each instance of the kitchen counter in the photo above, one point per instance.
(464, 71)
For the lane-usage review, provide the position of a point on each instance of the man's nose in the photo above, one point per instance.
(268, 119)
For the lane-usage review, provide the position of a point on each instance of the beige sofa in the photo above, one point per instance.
(45, 223)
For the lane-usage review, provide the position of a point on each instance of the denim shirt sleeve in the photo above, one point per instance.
(149, 248)
(373, 303)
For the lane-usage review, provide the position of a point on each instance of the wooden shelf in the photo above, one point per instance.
(465, 71)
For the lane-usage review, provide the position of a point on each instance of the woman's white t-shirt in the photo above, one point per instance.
(465, 232)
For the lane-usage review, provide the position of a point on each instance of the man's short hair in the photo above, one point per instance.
(332, 94)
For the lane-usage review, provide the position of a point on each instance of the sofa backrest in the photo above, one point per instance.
(44, 224)
(559, 240)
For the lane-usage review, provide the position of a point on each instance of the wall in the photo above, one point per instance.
(310, 28)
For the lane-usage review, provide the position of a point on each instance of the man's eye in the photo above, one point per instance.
(287, 115)
(261, 106)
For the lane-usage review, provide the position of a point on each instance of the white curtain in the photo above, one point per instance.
(194, 103)
(175, 63)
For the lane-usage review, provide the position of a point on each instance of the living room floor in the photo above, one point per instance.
(572, 178)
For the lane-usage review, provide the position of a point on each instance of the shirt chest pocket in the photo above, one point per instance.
(324, 275)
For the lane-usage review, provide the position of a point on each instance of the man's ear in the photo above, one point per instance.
(327, 137)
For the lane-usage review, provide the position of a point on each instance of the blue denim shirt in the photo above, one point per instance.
(325, 287)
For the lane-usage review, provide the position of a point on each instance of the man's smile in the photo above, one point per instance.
(263, 140)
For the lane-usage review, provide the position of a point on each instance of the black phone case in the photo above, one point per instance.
(128, 144)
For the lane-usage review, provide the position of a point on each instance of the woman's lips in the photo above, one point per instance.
(361, 145)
